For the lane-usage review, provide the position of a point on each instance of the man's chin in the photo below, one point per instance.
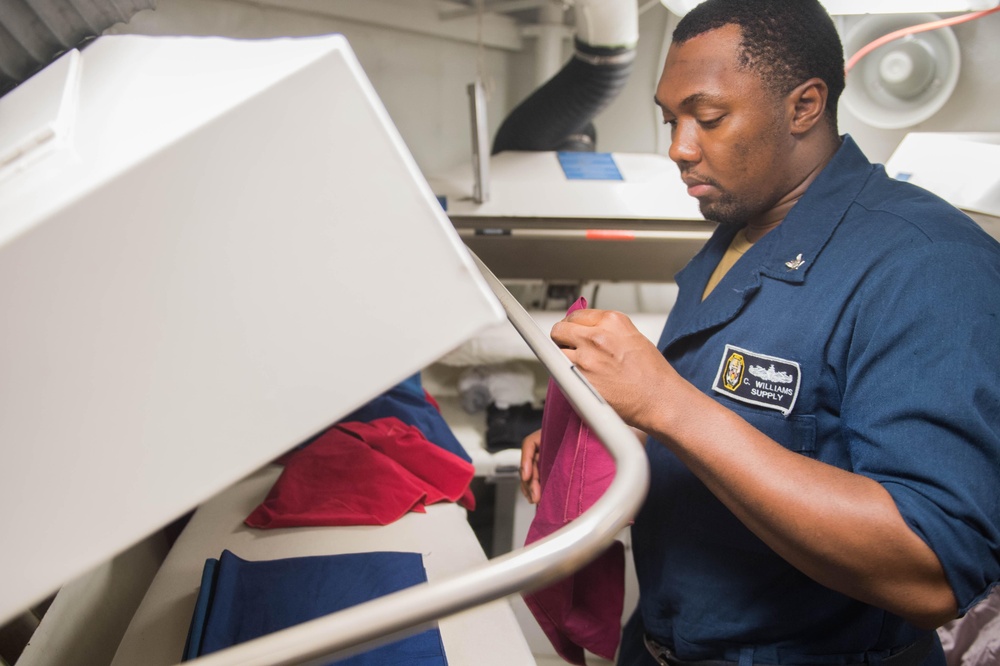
(714, 213)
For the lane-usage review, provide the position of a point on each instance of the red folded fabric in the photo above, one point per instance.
(584, 610)
(468, 499)
(443, 475)
(362, 474)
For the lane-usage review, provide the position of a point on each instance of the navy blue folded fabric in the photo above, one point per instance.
(407, 402)
(246, 600)
(192, 646)
(414, 384)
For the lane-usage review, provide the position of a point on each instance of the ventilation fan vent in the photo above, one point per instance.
(906, 81)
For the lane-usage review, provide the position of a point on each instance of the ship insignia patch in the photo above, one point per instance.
(758, 379)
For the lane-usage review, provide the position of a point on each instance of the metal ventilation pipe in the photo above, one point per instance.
(33, 33)
(557, 116)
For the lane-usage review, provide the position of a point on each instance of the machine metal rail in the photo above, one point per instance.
(388, 618)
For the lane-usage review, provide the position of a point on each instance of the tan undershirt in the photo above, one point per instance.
(736, 249)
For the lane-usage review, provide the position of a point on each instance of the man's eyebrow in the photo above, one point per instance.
(701, 98)
(692, 100)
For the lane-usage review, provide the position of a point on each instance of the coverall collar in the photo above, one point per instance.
(786, 253)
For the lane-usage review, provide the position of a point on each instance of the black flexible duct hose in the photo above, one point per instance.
(556, 115)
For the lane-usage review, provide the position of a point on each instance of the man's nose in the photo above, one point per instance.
(683, 144)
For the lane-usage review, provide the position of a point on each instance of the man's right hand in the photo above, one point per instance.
(531, 487)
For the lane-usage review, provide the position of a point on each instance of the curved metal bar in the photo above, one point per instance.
(390, 617)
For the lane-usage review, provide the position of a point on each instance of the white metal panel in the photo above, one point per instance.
(234, 249)
(960, 167)
(38, 117)
(534, 185)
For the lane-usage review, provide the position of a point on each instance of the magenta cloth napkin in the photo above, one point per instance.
(584, 610)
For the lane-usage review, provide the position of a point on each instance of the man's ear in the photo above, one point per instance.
(807, 104)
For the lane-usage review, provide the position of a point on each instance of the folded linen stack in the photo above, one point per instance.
(240, 600)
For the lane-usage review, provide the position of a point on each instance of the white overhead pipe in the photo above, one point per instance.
(607, 23)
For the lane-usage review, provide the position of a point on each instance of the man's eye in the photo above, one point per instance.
(711, 122)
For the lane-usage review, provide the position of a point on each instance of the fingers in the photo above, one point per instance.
(531, 486)
(572, 332)
(589, 327)
(563, 335)
(588, 317)
(620, 363)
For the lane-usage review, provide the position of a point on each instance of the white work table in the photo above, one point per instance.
(485, 635)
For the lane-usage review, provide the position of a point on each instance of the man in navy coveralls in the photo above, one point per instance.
(823, 406)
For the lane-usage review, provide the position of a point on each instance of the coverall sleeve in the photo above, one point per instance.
(921, 405)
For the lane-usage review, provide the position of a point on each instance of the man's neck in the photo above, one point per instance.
(764, 224)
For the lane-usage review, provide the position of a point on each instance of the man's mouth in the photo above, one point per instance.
(697, 187)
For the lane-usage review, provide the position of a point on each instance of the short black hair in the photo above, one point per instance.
(786, 42)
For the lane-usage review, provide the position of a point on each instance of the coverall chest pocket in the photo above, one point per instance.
(796, 432)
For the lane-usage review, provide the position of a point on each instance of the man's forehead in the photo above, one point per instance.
(728, 32)
(698, 82)
(722, 44)
(704, 69)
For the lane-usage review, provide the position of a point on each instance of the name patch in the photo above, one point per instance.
(758, 379)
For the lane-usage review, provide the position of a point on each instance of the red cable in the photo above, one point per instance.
(923, 27)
